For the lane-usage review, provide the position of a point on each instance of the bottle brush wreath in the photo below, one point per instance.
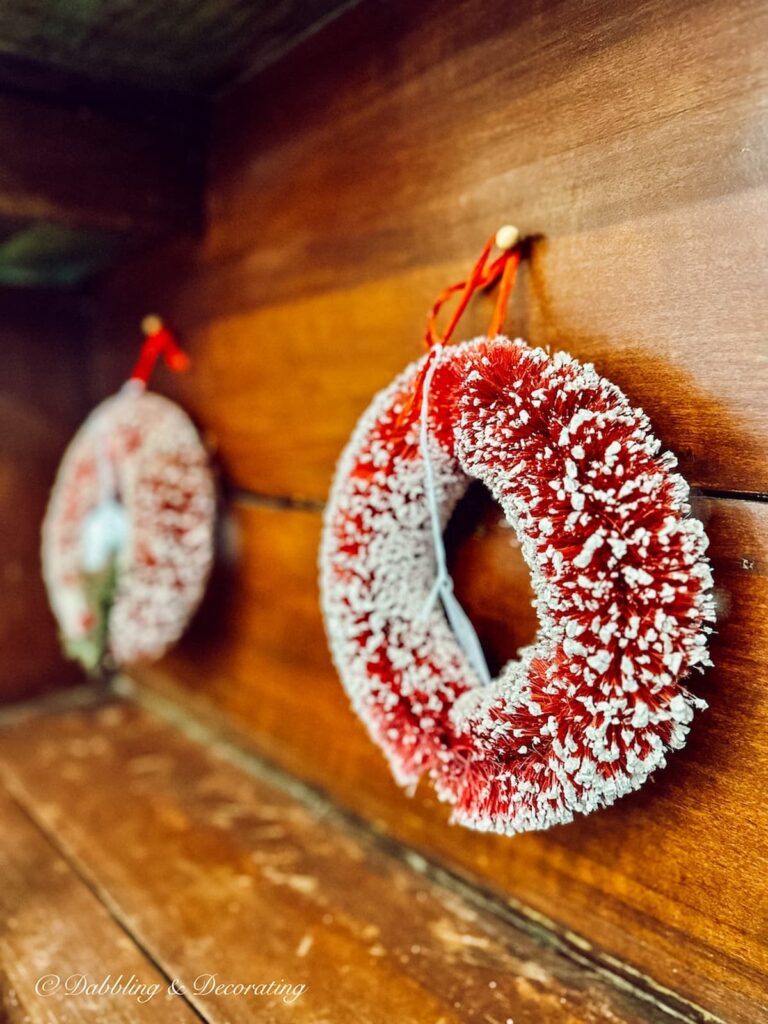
(127, 538)
(618, 567)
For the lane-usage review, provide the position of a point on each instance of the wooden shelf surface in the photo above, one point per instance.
(132, 849)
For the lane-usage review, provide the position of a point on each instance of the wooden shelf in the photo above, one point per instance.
(132, 849)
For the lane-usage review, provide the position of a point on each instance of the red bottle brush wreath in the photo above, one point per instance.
(618, 567)
(128, 534)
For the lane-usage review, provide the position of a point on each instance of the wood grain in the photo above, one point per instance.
(671, 879)
(220, 872)
(42, 400)
(54, 928)
(634, 146)
(552, 111)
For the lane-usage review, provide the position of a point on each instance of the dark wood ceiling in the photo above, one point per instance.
(187, 46)
(103, 110)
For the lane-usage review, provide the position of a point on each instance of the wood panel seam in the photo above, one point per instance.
(277, 501)
(247, 496)
(260, 499)
(761, 497)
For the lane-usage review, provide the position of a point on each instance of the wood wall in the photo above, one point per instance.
(348, 185)
(43, 395)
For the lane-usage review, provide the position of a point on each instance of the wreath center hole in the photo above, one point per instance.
(490, 577)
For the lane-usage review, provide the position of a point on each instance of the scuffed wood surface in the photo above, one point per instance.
(217, 871)
(53, 925)
(671, 879)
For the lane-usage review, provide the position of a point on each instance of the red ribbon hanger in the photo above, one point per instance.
(504, 267)
(158, 341)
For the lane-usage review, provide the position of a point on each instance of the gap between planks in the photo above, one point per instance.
(286, 501)
(88, 695)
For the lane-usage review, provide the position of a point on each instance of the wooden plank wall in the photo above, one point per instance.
(349, 183)
(43, 395)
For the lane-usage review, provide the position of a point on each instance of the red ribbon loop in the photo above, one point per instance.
(159, 341)
(482, 276)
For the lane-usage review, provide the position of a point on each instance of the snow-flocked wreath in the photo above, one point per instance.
(618, 567)
(128, 534)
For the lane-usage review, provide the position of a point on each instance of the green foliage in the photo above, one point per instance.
(99, 589)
